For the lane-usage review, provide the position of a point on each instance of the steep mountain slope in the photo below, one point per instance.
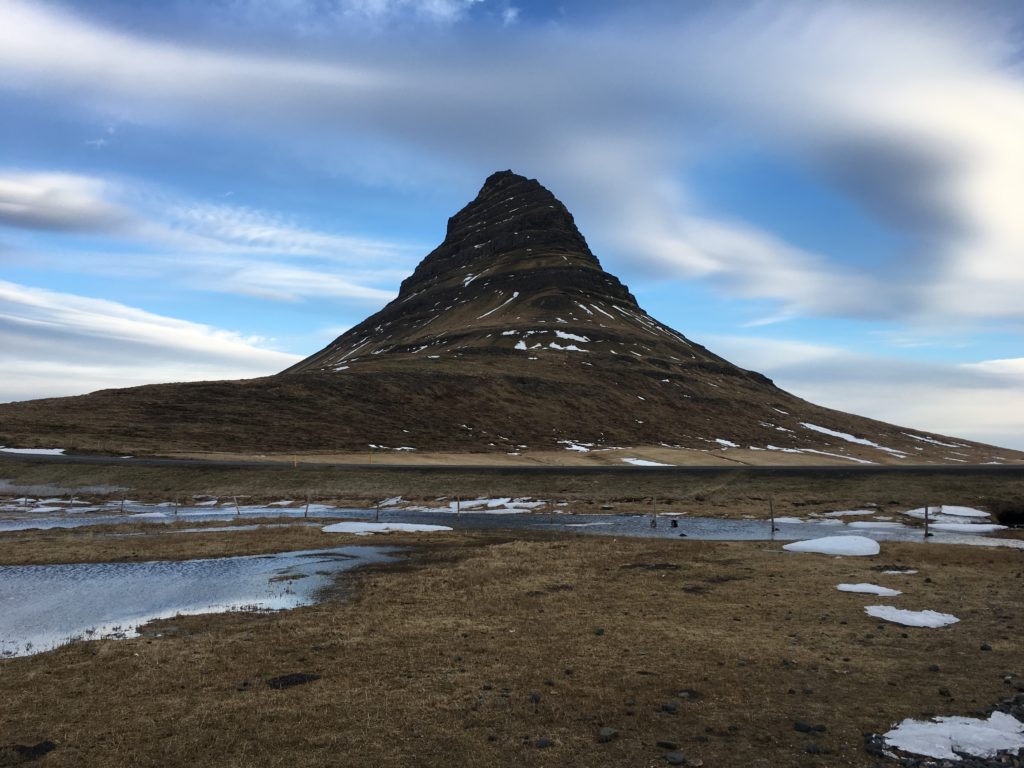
(508, 337)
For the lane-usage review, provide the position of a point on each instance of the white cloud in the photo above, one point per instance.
(981, 401)
(59, 202)
(54, 344)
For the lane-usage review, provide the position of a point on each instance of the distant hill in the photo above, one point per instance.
(508, 337)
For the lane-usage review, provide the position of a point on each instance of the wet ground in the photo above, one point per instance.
(44, 606)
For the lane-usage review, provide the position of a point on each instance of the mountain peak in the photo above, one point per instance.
(512, 219)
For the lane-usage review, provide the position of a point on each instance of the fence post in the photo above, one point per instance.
(237, 510)
(926, 521)
(306, 513)
(771, 512)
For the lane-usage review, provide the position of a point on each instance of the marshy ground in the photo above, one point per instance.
(483, 649)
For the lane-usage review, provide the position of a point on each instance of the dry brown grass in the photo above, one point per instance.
(434, 662)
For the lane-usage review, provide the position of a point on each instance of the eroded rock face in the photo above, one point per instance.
(513, 274)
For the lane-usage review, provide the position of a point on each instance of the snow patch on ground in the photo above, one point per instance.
(944, 737)
(854, 546)
(566, 348)
(968, 527)
(947, 509)
(367, 529)
(34, 451)
(868, 589)
(572, 445)
(501, 506)
(570, 336)
(931, 619)
(646, 463)
(849, 512)
(850, 438)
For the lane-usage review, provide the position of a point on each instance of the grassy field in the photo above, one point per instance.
(486, 651)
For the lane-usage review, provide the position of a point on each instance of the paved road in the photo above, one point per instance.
(1000, 470)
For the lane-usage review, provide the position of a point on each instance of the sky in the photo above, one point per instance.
(826, 192)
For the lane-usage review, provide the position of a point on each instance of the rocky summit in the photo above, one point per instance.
(508, 338)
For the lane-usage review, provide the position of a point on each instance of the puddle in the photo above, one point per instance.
(48, 516)
(45, 606)
(14, 517)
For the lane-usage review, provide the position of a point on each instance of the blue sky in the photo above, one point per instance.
(828, 192)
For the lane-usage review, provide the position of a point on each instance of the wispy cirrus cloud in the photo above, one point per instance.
(207, 246)
(54, 343)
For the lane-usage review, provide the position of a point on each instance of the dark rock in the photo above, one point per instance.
(607, 734)
(666, 744)
(985, 647)
(292, 679)
(934, 668)
(34, 751)
(670, 707)
(544, 743)
(802, 726)
(599, 631)
(675, 758)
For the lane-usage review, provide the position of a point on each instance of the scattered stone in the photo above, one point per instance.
(934, 668)
(813, 749)
(544, 743)
(688, 694)
(675, 758)
(295, 678)
(986, 647)
(534, 698)
(802, 726)
(945, 692)
(599, 631)
(670, 707)
(666, 744)
(607, 734)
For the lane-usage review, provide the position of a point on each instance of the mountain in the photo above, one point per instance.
(509, 337)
